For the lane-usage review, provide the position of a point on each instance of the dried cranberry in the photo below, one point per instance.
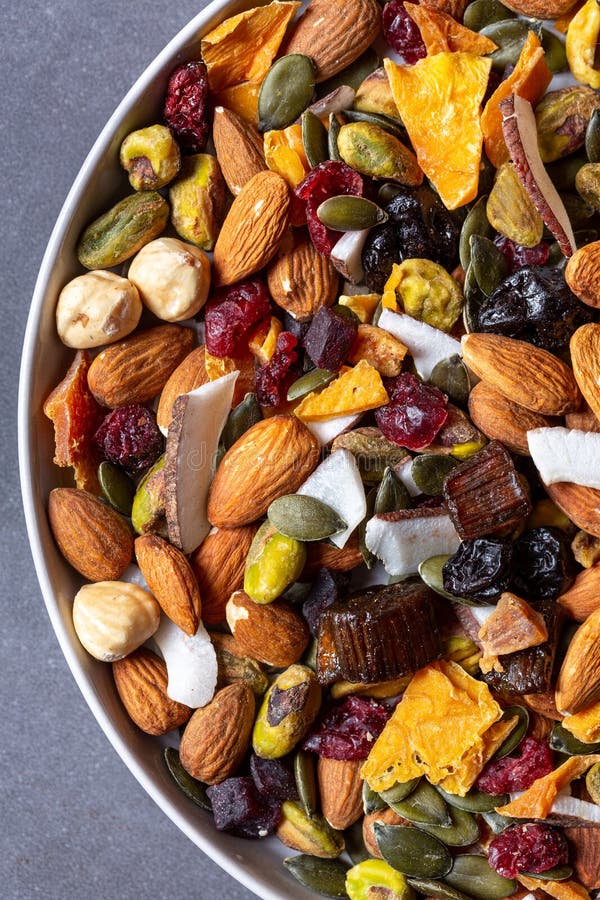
(517, 773)
(129, 437)
(238, 807)
(326, 588)
(273, 380)
(274, 778)
(518, 256)
(401, 33)
(531, 847)
(328, 179)
(479, 570)
(230, 315)
(415, 414)
(348, 730)
(186, 109)
(543, 564)
(329, 339)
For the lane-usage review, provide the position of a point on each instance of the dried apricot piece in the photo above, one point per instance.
(440, 32)
(217, 366)
(284, 154)
(354, 391)
(241, 99)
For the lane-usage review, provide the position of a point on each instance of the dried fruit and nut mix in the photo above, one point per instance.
(360, 443)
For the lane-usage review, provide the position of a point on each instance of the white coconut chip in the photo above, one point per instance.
(565, 454)
(191, 663)
(337, 482)
(329, 429)
(427, 345)
(403, 544)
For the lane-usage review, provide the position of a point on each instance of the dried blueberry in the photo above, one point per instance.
(238, 807)
(330, 338)
(543, 564)
(348, 730)
(479, 570)
(326, 589)
(530, 847)
(380, 252)
(274, 778)
(129, 437)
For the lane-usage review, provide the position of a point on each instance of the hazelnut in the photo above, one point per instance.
(97, 308)
(151, 157)
(172, 277)
(114, 618)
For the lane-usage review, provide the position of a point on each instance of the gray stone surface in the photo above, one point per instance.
(75, 823)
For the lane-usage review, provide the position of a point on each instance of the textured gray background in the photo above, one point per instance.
(75, 823)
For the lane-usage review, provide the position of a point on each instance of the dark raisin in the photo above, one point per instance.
(186, 109)
(543, 564)
(238, 807)
(530, 847)
(401, 33)
(231, 313)
(517, 773)
(518, 256)
(298, 329)
(273, 380)
(415, 414)
(379, 254)
(328, 179)
(130, 437)
(274, 778)
(479, 570)
(329, 339)
(327, 588)
(348, 730)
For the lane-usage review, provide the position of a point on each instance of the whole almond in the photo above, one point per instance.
(320, 554)
(190, 374)
(582, 273)
(253, 228)
(273, 458)
(273, 633)
(171, 579)
(527, 375)
(93, 537)
(334, 33)
(580, 504)
(239, 149)
(583, 420)
(218, 565)
(141, 680)
(340, 790)
(547, 9)
(385, 816)
(301, 280)
(585, 359)
(578, 682)
(217, 736)
(502, 420)
(136, 370)
(583, 597)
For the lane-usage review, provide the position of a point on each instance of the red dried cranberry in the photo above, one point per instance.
(129, 437)
(401, 33)
(237, 807)
(518, 256)
(330, 337)
(517, 773)
(274, 778)
(328, 179)
(230, 315)
(349, 730)
(530, 847)
(186, 106)
(273, 380)
(416, 413)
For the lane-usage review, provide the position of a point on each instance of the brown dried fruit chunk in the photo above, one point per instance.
(239, 149)
(141, 681)
(273, 633)
(502, 420)
(189, 375)
(219, 564)
(301, 280)
(513, 626)
(169, 576)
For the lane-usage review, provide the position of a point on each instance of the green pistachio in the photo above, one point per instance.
(151, 157)
(289, 708)
(274, 562)
(374, 152)
(123, 230)
(198, 200)
(375, 878)
(311, 835)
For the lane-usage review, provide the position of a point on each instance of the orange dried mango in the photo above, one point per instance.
(354, 391)
(462, 780)
(536, 802)
(284, 154)
(529, 79)
(560, 890)
(380, 349)
(241, 99)
(263, 339)
(441, 32)
(217, 366)
(585, 725)
(362, 305)
(513, 625)
(439, 101)
(243, 47)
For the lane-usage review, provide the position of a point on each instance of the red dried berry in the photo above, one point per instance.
(230, 315)
(416, 413)
(130, 437)
(238, 808)
(401, 33)
(273, 380)
(517, 773)
(348, 730)
(328, 179)
(530, 847)
(518, 256)
(274, 778)
(186, 109)
(330, 337)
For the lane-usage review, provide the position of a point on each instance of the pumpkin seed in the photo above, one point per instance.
(579, 209)
(412, 851)
(355, 845)
(474, 875)
(489, 263)
(485, 12)
(392, 495)
(474, 297)
(312, 381)
(286, 91)
(476, 222)
(353, 75)
(429, 470)
(517, 734)
(475, 801)
(314, 138)
(423, 806)
(310, 654)
(555, 53)
(563, 741)
(368, 557)
(430, 571)
(244, 416)
(592, 783)
(437, 889)
(117, 487)
(509, 35)
(326, 877)
(332, 138)
(452, 377)
(592, 137)
(496, 822)
(388, 192)
(372, 801)
(556, 873)
(392, 125)
(192, 788)
(399, 792)
(306, 780)
(304, 518)
(347, 212)
(463, 831)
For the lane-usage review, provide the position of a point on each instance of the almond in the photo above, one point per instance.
(301, 280)
(217, 736)
(93, 537)
(334, 33)
(239, 149)
(271, 459)
(585, 359)
(543, 704)
(218, 565)
(169, 576)
(340, 789)
(190, 374)
(273, 633)
(141, 680)
(578, 683)
(583, 420)
(501, 419)
(582, 274)
(580, 504)
(136, 370)
(545, 9)
(253, 228)
(583, 597)
(321, 554)
(385, 816)
(527, 375)
(583, 842)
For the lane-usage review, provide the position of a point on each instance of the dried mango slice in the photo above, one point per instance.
(263, 339)
(217, 366)
(440, 32)
(439, 100)
(362, 305)
(461, 781)
(585, 725)
(241, 99)
(529, 79)
(243, 47)
(536, 802)
(560, 890)
(355, 391)
(284, 154)
(380, 349)
(514, 625)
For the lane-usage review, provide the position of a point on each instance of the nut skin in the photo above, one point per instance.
(580, 504)
(340, 789)
(585, 359)
(235, 666)
(197, 200)
(510, 210)
(301, 280)
(171, 579)
(151, 157)
(582, 273)
(308, 834)
(219, 564)
(173, 278)
(374, 152)
(148, 510)
(272, 633)
(583, 597)
(239, 149)
(114, 618)
(587, 182)
(541, 8)
(502, 420)
(274, 562)
(97, 308)
(562, 118)
(141, 681)
(386, 817)
(578, 683)
(375, 94)
(217, 736)
(274, 738)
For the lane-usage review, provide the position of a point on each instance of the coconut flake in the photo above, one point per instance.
(427, 345)
(191, 663)
(337, 483)
(346, 255)
(565, 454)
(403, 543)
(335, 101)
(329, 429)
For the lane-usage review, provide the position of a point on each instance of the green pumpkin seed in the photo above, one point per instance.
(399, 792)
(389, 124)
(244, 416)
(372, 801)
(326, 877)
(286, 91)
(429, 470)
(563, 741)
(496, 822)
(192, 788)
(431, 572)
(463, 831)
(475, 801)
(564, 171)
(578, 210)
(377, 313)
(314, 138)
(392, 495)
(353, 75)
(509, 35)
(312, 381)
(310, 654)
(517, 734)
(332, 137)
(368, 557)
(117, 487)
(476, 222)
(474, 298)
(437, 889)
(452, 377)
(304, 518)
(592, 137)
(485, 12)
(355, 844)
(489, 263)
(592, 783)
(555, 53)
(423, 806)
(412, 851)
(387, 192)
(350, 213)
(306, 780)
(556, 873)
(474, 875)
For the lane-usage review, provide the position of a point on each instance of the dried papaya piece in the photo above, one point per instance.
(560, 890)
(217, 366)
(536, 802)
(354, 391)
(284, 154)
(439, 101)
(514, 625)
(529, 79)
(241, 99)
(440, 32)
(462, 780)
(263, 339)
(585, 725)
(380, 349)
